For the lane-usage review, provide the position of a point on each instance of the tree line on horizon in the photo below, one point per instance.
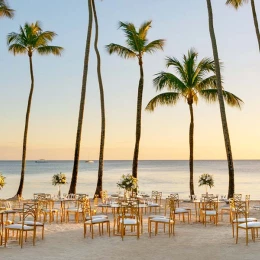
(193, 79)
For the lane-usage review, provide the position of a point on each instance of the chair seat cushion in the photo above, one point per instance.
(153, 204)
(164, 220)
(97, 216)
(242, 220)
(210, 212)
(31, 223)
(19, 226)
(181, 210)
(250, 225)
(74, 210)
(156, 216)
(96, 221)
(129, 221)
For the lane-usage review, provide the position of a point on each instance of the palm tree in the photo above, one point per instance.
(136, 45)
(74, 177)
(29, 40)
(191, 82)
(5, 10)
(237, 3)
(102, 103)
(231, 185)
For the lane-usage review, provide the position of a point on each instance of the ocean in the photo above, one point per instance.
(163, 175)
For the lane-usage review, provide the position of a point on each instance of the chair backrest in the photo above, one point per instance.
(103, 195)
(71, 196)
(129, 207)
(39, 196)
(237, 197)
(241, 210)
(80, 196)
(210, 203)
(30, 210)
(207, 195)
(157, 196)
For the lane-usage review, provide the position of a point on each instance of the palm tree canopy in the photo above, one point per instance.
(136, 41)
(192, 79)
(5, 10)
(236, 3)
(31, 38)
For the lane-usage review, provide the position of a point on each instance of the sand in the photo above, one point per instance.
(191, 241)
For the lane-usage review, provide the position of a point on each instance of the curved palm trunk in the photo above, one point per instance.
(231, 187)
(138, 119)
(191, 142)
(82, 104)
(255, 22)
(102, 103)
(20, 189)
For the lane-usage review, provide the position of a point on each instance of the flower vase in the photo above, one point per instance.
(59, 192)
(126, 194)
(207, 194)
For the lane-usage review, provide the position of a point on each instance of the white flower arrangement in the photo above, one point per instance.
(206, 179)
(59, 179)
(128, 182)
(2, 181)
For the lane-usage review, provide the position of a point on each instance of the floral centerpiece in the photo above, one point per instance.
(128, 182)
(206, 180)
(2, 181)
(59, 179)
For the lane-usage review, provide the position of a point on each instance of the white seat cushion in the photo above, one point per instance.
(211, 212)
(19, 226)
(250, 225)
(153, 204)
(31, 223)
(164, 220)
(96, 220)
(242, 220)
(97, 216)
(181, 210)
(74, 210)
(129, 221)
(156, 216)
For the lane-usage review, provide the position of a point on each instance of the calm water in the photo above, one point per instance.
(165, 176)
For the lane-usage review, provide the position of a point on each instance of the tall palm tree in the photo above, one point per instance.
(102, 103)
(231, 185)
(5, 10)
(74, 177)
(136, 45)
(237, 3)
(29, 40)
(191, 82)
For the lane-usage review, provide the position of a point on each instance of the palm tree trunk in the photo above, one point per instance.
(191, 142)
(82, 104)
(20, 189)
(138, 119)
(255, 22)
(231, 187)
(102, 103)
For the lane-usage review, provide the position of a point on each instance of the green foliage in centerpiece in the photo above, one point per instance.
(2, 181)
(59, 179)
(206, 179)
(128, 182)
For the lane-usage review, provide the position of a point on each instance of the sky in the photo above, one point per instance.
(55, 105)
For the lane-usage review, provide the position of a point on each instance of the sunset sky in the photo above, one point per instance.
(54, 112)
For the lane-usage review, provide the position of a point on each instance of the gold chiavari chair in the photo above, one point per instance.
(210, 208)
(93, 220)
(170, 220)
(156, 199)
(241, 208)
(46, 208)
(130, 217)
(180, 211)
(236, 217)
(29, 211)
(81, 205)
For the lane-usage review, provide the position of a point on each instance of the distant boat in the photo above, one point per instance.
(41, 161)
(89, 161)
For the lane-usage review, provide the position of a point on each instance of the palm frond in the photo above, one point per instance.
(189, 65)
(5, 10)
(207, 83)
(143, 30)
(168, 99)
(55, 50)
(44, 37)
(236, 3)
(120, 50)
(211, 95)
(154, 46)
(17, 49)
(178, 67)
(168, 81)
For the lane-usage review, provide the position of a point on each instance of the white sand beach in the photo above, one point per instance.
(191, 241)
